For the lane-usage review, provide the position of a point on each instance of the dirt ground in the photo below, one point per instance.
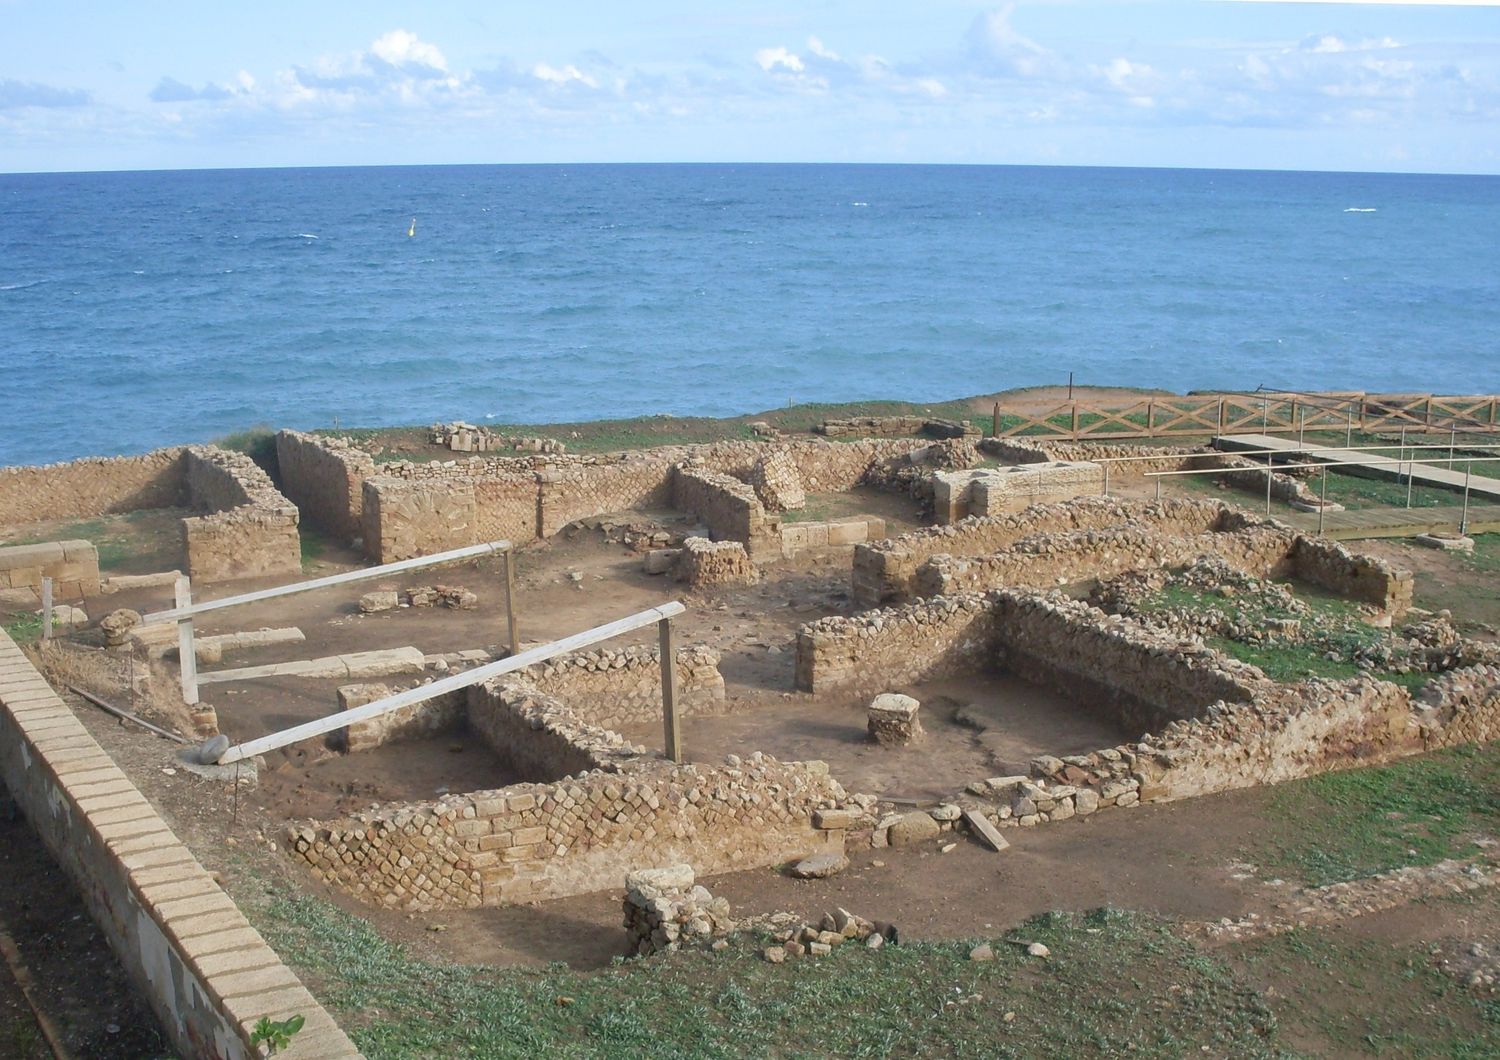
(1183, 860)
(78, 983)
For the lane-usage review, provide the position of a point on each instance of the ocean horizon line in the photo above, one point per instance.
(705, 164)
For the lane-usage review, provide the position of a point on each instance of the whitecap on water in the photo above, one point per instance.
(1360, 209)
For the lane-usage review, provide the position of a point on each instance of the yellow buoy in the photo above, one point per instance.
(412, 231)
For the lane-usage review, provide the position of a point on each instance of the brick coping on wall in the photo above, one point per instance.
(208, 975)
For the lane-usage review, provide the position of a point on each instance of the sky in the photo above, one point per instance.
(1212, 83)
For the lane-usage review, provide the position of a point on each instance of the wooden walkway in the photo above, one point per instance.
(1369, 465)
(1360, 523)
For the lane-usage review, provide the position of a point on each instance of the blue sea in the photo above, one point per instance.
(144, 309)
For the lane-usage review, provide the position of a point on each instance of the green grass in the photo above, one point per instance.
(258, 443)
(1353, 824)
(23, 627)
(1116, 983)
(1331, 623)
(314, 543)
(1368, 996)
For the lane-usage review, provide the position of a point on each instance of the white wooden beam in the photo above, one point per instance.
(366, 574)
(421, 693)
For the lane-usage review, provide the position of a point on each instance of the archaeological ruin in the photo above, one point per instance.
(891, 630)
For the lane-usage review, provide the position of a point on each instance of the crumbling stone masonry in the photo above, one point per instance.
(619, 809)
(702, 563)
(246, 528)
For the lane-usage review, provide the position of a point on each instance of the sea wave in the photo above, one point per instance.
(1360, 209)
(21, 286)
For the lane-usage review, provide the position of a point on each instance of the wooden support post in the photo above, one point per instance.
(1075, 421)
(1151, 418)
(1292, 417)
(1349, 428)
(1463, 523)
(671, 719)
(46, 608)
(514, 638)
(1323, 502)
(1106, 478)
(1269, 468)
(995, 426)
(1452, 438)
(1221, 415)
(1429, 411)
(187, 651)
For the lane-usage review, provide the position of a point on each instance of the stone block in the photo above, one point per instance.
(893, 722)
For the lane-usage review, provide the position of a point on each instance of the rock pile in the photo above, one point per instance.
(455, 597)
(665, 909)
(461, 437)
(819, 940)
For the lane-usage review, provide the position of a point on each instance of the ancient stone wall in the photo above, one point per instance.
(604, 809)
(729, 508)
(1358, 577)
(325, 478)
(505, 507)
(82, 489)
(540, 738)
(403, 518)
(885, 571)
(615, 687)
(597, 486)
(1048, 560)
(440, 714)
(997, 491)
(1140, 677)
(878, 651)
(73, 567)
(251, 529)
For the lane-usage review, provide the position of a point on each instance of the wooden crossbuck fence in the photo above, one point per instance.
(1263, 413)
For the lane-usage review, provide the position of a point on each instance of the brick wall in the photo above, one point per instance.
(207, 974)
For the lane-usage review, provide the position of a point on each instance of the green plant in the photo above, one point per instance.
(275, 1034)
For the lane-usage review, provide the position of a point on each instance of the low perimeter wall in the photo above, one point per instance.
(82, 489)
(620, 809)
(73, 567)
(206, 973)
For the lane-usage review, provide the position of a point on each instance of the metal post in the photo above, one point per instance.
(995, 427)
(671, 720)
(1463, 522)
(1323, 502)
(1452, 437)
(46, 608)
(1158, 488)
(1264, 414)
(510, 602)
(1269, 467)
(1070, 389)
(1349, 427)
(1106, 479)
(1402, 457)
(1301, 428)
(1411, 470)
(187, 651)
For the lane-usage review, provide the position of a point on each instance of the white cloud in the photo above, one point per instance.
(400, 47)
(774, 59)
(565, 75)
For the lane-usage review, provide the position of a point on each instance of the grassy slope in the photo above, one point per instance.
(1117, 983)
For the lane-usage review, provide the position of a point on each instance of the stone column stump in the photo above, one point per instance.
(893, 720)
